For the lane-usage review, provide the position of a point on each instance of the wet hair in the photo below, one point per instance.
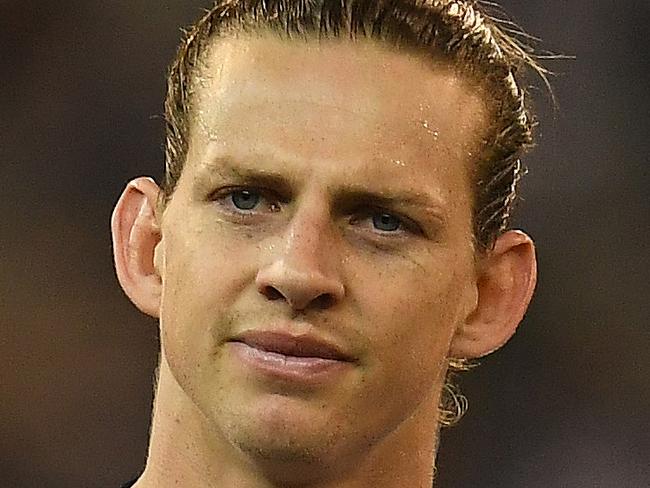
(471, 37)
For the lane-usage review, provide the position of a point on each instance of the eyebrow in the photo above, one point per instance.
(344, 197)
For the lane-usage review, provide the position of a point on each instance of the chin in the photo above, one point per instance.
(284, 430)
(289, 461)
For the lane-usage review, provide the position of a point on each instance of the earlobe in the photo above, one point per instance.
(507, 278)
(136, 237)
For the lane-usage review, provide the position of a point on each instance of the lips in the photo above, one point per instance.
(305, 345)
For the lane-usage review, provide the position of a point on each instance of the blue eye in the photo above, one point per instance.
(245, 199)
(250, 202)
(386, 222)
(245, 202)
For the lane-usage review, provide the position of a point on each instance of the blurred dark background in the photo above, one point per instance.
(565, 404)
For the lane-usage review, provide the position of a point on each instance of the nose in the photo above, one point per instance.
(301, 273)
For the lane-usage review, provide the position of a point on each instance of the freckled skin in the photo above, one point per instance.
(323, 117)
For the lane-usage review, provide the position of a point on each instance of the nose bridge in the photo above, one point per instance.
(307, 236)
(302, 270)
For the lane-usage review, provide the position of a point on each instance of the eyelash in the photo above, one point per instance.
(223, 196)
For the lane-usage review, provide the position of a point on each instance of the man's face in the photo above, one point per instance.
(326, 192)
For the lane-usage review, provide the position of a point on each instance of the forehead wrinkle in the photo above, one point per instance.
(206, 126)
(372, 117)
(428, 127)
(238, 70)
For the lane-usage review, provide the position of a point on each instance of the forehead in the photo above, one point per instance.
(333, 100)
(359, 74)
(330, 68)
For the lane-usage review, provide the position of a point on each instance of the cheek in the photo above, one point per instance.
(206, 266)
(204, 275)
(408, 319)
(411, 314)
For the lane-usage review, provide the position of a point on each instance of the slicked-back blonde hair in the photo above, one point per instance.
(464, 34)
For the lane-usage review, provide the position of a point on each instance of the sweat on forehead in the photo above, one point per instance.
(361, 80)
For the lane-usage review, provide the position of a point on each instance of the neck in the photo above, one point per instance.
(186, 451)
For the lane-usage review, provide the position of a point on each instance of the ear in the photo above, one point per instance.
(136, 234)
(506, 281)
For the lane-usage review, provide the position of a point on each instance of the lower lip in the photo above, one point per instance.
(297, 369)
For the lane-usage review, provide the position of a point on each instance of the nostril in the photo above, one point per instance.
(271, 293)
(324, 301)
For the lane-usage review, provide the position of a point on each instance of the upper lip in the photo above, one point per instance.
(304, 345)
